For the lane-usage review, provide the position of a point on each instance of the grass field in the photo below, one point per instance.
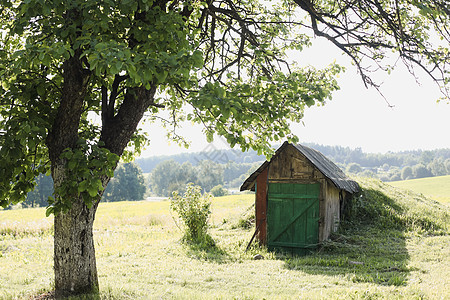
(399, 240)
(437, 188)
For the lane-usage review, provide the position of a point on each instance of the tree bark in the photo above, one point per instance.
(118, 129)
(74, 254)
(74, 260)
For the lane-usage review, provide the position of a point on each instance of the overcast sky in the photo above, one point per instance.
(355, 117)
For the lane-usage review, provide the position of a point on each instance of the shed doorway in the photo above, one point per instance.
(293, 217)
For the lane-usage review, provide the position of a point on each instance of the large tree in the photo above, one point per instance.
(221, 63)
(128, 184)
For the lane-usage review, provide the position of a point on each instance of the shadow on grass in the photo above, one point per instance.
(371, 244)
(366, 255)
(51, 296)
(206, 249)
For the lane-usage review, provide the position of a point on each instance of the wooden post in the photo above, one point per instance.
(261, 205)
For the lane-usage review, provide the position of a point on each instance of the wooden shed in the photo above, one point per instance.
(300, 196)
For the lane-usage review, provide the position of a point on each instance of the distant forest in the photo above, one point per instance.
(391, 166)
(222, 171)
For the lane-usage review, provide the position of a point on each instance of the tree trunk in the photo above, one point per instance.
(74, 254)
(74, 260)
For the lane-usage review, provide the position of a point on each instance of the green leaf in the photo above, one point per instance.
(50, 210)
(98, 184)
(72, 164)
(209, 136)
(161, 76)
(92, 190)
(41, 90)
(197, 57)
(82, 186)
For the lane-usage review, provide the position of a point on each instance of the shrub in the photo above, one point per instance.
(219, 191)
(193, 209)
(407, 173)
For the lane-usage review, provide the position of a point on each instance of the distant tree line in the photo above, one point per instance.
(389, 166)
(217, 171)
(128, 184)
(39, 196)
(346, 156)
(169, 176)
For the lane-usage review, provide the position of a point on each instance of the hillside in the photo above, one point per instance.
(396, 245)
(437, 188)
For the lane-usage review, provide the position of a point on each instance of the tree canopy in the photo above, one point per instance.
(78, 77)
(225, 61)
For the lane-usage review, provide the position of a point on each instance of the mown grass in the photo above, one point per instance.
(395, 246)
(437, 188)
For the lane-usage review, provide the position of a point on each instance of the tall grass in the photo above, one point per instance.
(395, 246)
(25, 222)
(388, 207)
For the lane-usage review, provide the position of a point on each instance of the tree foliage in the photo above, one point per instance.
(354, 168)
(447, 165)
(421, 171)
(218, 191)
(407, 173)
(385, 166)
(209, 174)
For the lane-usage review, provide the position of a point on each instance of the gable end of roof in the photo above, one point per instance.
(320, 161)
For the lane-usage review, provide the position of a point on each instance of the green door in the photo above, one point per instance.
(293, 217)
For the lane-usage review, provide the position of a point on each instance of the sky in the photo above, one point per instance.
(355, 117)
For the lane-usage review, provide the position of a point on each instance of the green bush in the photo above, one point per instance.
(193, 209)
(219, 191)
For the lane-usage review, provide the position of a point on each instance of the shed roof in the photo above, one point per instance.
(320, 161)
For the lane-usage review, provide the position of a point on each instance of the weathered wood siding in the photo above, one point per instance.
(292, 166)
(332, 211)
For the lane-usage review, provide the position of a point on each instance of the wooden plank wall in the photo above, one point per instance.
(332, 211)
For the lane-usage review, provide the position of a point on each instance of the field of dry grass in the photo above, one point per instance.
(140, 254)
